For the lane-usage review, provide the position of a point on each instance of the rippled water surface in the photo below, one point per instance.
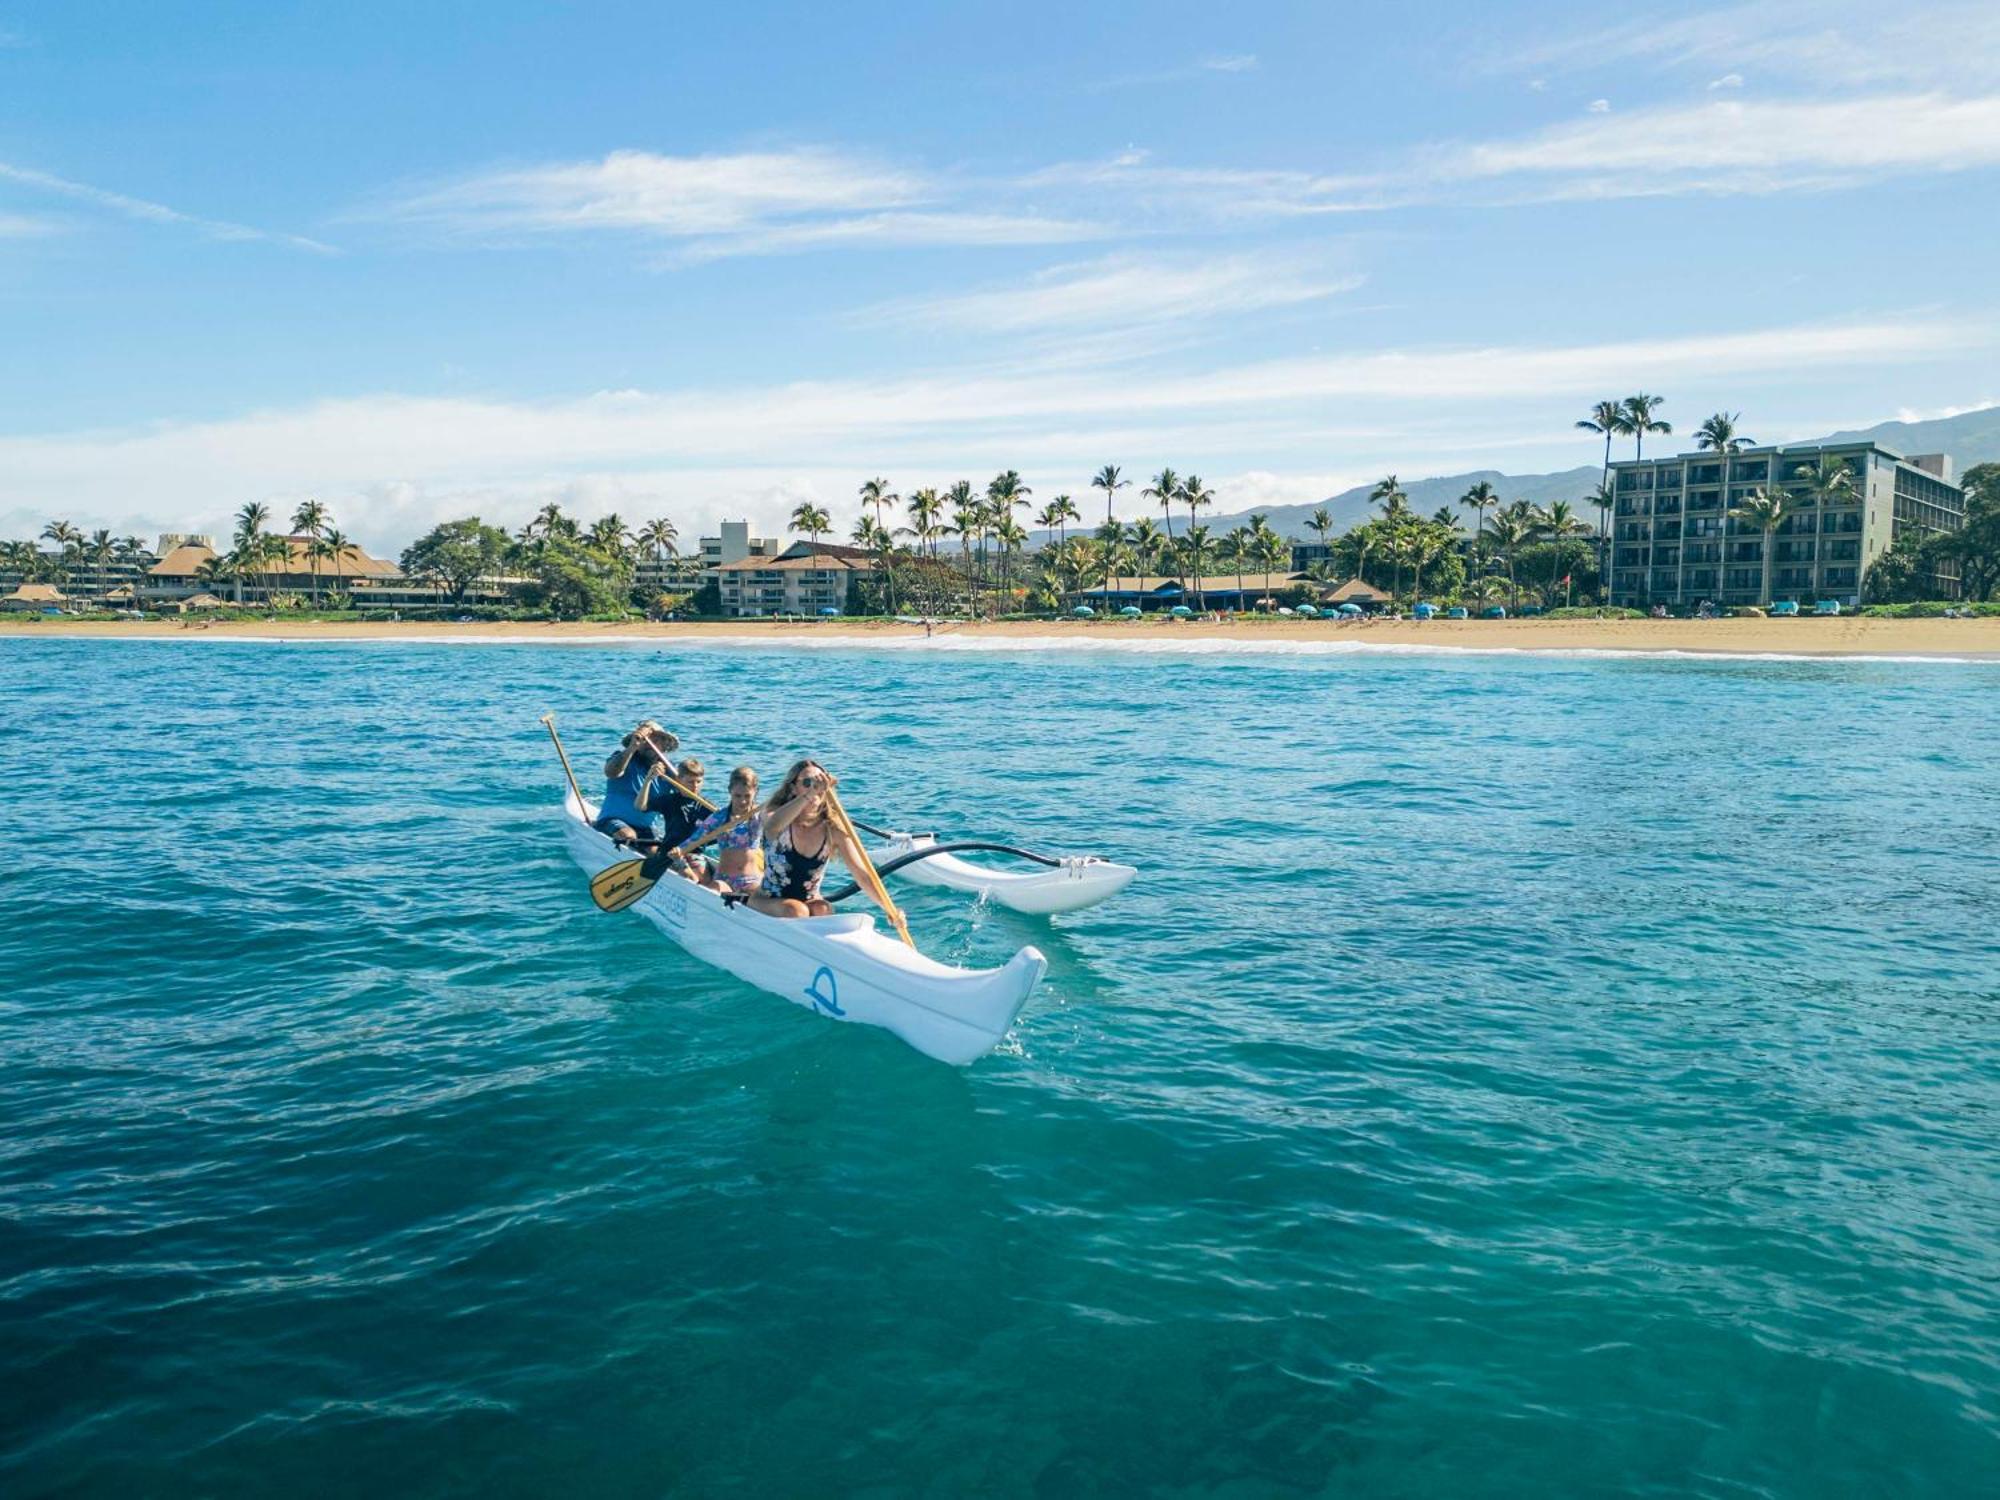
(1508, 1076)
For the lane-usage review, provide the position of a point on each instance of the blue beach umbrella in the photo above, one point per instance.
(1308, 611)
(1132, 610)
(1350, 609)
(1180, 612)
(828, 609)
(1084, 612)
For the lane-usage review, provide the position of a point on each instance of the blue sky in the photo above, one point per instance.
(422, 261)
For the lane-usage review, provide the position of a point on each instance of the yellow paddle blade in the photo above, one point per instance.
(619, 886)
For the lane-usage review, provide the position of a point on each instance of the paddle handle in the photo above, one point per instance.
(668, 778)
(549, 723)
(871, 880)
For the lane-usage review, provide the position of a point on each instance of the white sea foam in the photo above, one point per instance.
(1046, 645)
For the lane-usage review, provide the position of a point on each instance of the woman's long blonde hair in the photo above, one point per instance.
(789, 787)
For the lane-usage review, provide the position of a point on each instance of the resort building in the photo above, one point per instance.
(733, 546)
(184, 571)
(1674, 542)
(800, 581)
(35, 596)
(1220, 591)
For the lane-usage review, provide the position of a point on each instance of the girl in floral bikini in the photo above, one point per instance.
(739, 866)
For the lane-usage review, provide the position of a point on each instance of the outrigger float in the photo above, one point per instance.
(844, 966)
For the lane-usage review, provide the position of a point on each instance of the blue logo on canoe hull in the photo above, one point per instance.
(824, 992)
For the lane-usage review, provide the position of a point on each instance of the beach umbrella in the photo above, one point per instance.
(1425, 611)
(1308, 611)
(1132, 610)
(1350, 609)
(1084, 612)
(1180, 612)
(1458, 612)
(1285, 610)
(828, 609)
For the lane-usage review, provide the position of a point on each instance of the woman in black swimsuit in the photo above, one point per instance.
(799, 841)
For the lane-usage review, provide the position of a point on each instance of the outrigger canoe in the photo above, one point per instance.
(840, 966)
(1064, 885)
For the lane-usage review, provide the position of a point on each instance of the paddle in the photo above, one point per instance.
(871, 880)
(618, 886)
(929, 851)
(549, 723)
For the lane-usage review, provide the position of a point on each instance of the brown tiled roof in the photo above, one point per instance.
(821, 562)
(1354, 589)
(185, 560)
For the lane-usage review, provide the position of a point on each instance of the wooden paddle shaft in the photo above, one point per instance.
(870, 879)
(549, 723)
(675, 784)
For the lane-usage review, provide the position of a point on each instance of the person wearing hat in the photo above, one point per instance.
(629, 776)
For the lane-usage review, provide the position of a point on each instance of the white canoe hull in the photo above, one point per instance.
(840, 966)
(1075, 884)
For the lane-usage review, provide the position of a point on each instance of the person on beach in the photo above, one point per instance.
(799, 840)
(625, 812)
(739, 849)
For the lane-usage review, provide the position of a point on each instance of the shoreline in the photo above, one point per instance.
(1845, 636)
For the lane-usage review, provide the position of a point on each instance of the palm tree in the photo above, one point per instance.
(1231, 551)
(1558, 522)
(1389, 495)
(609, 536)
(336, 546)
(213, 571)
(548, 522)
(1271, 551)
(317, 551)
(68, 541)
(1511, 528)
(876, 492)
(309, 520)
(925, 507)
(1319, 523)
(1718, 436)
(1480, 498)
(965, 525)
(1762, 510)
(1008, 533)
(1612, 419)
(658, 536)
(813, 521)
(1828, 482)
(1198, 552)
(1603, 499)
(1195, 495)
(1146, 542)
(1107, 480)
(1163, 491)
(101, 549)
(1639, 421)
(1060, 512)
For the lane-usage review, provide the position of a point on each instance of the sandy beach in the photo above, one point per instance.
(1845, 636)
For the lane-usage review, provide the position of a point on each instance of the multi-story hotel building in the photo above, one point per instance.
(1673, 541)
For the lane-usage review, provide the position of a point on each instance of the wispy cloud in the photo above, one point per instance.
(149, 212)
(744, 203)
(441, 451)
(1726, 81)
(1737, 146)
(26, 227)
(1827, 44)
(1123, 291)
(1224, 62)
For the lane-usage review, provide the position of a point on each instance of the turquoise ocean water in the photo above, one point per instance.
(1509, 1076)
